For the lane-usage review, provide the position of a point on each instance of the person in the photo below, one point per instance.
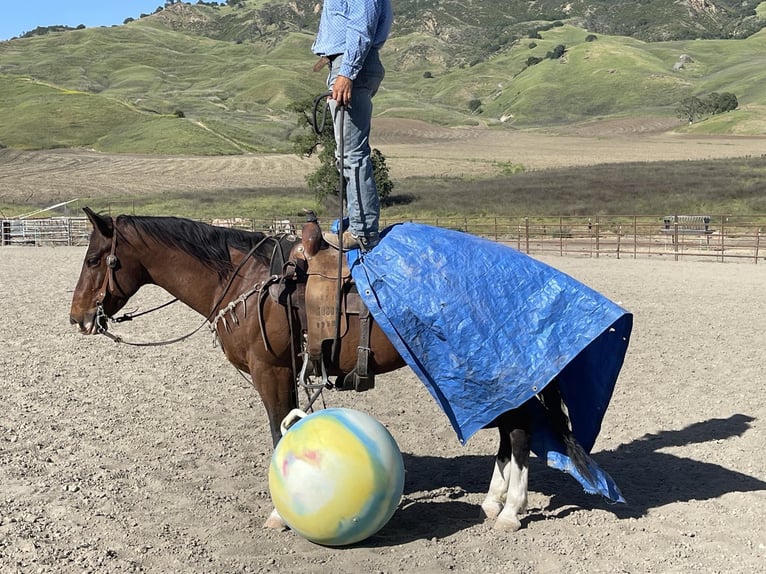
(350, 35)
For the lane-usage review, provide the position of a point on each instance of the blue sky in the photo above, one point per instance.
(19, 16)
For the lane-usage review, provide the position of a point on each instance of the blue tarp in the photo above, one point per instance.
(486, 328)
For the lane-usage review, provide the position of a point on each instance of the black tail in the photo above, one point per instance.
(554, 407)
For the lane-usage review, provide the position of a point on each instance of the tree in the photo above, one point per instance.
(720, 103)
(557, 52)
(693, 107)
(690, 109)
(533, 60)
(324, 181)
(474, 105)
(382, 177)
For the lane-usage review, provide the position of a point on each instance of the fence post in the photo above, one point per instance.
(526, 234)
(723, 236)
(757, 242)
(598, 237)
(561, 236)
(619, 236)
(635, 236)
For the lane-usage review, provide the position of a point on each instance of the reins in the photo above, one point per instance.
(133, 315)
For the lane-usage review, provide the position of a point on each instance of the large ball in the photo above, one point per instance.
(336, 477)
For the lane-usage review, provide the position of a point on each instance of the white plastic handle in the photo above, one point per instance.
(291, 418)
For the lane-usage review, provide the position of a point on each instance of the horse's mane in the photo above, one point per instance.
(205, 242)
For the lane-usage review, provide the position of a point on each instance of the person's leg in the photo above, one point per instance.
(363, 203)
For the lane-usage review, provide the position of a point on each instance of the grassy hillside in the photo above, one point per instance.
(218, 80)
(232, 89)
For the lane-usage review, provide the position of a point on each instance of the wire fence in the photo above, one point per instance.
(678, 237)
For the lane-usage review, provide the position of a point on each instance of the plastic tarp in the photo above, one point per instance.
(486, 328)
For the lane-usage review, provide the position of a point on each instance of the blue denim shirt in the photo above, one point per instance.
(351, 28)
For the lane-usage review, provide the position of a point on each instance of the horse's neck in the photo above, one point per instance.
(184, 277)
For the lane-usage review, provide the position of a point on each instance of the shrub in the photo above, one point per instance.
(556, 53)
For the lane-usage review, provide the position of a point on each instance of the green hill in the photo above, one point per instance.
(210, 79)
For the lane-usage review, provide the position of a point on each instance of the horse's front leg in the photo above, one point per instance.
(276, 388)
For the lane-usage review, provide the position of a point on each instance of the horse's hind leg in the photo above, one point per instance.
(498, 485)
(518, 471)
(507, 495)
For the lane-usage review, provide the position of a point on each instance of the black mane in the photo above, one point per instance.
(205, 242)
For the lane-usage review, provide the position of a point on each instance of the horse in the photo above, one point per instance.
(227, 276)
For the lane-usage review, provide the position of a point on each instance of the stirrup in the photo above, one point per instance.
(305, 379)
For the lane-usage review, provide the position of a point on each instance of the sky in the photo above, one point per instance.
(19, 16)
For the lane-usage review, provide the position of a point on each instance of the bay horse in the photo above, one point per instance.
(225, 276)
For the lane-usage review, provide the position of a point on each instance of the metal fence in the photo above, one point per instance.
(717, 238)
(48, 231)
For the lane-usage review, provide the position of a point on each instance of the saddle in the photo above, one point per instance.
(309, 278)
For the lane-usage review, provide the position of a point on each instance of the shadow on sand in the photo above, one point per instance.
(648, 479)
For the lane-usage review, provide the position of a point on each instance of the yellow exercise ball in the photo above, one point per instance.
(336, 476)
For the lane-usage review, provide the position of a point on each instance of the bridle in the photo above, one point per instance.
(107, 287)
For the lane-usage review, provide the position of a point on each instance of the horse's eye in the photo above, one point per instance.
(93, 261)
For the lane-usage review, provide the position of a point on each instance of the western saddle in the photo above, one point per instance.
(305, 273)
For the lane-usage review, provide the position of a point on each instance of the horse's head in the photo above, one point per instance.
(110, 275)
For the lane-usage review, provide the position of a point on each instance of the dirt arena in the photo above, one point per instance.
(124, 459)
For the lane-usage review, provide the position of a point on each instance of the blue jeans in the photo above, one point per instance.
(363, 203)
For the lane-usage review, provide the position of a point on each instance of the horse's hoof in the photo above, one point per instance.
(507, 524)
(491, 509)
(275, 522)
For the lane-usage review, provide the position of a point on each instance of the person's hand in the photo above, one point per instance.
(341, 90)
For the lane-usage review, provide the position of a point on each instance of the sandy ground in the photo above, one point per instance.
(121, 459)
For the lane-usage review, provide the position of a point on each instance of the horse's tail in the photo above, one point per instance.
(557, 416)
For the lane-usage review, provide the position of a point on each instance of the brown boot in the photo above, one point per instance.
(349, 241)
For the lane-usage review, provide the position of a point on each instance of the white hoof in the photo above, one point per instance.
(275, 522)
(491, 508)
(507, 524)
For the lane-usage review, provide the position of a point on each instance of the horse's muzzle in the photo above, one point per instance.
(86, 326)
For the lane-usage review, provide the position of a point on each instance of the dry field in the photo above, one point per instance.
(412, 148)
(118, 459)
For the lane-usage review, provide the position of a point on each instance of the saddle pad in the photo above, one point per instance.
(486, 328)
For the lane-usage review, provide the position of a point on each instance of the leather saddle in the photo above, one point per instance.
(309, 276)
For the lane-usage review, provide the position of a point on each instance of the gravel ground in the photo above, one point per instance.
(120, 459)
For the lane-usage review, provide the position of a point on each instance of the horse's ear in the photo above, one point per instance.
(101, 224)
